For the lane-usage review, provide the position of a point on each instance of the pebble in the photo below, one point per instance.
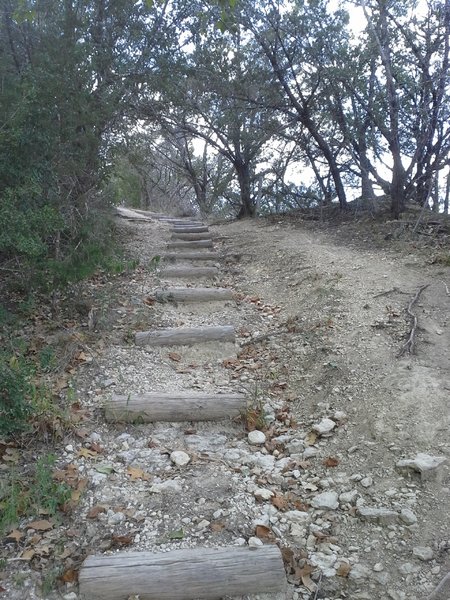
(297, 516)
(423, 552)
(425, 464)
(348, 497)
(325, 426)
(180, 458)
(70, 596)
(407, 516)
(256, 438)
(309, 453)
(383, 516)
(408, 568)
(367, 482)
(255, 542)
(359, 572)
(263, 493)
(326, 501)
(378, 567)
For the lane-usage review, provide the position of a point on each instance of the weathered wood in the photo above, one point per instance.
(187, 272)
(198, 573)
(190, 229)
(185, 336)
(193, 245)
(191, 237)
(156, 406)
(171, 256)
(199, 294)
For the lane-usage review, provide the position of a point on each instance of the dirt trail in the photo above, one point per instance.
(319, 327)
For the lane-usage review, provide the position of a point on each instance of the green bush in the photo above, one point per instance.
(15, 390)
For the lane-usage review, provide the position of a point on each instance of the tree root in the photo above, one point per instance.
(408, 346)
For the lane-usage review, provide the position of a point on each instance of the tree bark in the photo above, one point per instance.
(247, 209)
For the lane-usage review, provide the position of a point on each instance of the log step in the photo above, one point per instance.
(157, 406)
(198, 294)
(192, 574)
(190, 229)
(184, 244)
(187, 272)
(191, 237)
(185, 336)
(191, 256)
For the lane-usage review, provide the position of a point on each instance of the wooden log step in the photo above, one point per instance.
(187, 272)
(190, 229)
(198, 294)
(191, 256)
(156, 406)
(185, 336)
(184, 244)
(191, 237)
(191, 574)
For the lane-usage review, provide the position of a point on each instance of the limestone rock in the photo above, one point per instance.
(424, 464)
(256, 438)
(383, 516)
(166, 486)
(325, 426)
(180, 458)
(263, 493)
(423, 552)
(326, 501)
(407, 516)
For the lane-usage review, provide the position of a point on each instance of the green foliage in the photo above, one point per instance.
(15, 391)
(27, 498)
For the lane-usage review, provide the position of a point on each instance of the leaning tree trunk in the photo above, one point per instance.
(248, 208)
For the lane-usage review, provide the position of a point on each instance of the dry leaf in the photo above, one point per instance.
(175, 356)
(331, 462)
(136, 473)
(343, 570)
(42, 525)
(27, 554)
(122, 540)
(87, 453)
(217, 526)
(150, 301)
(69, 576)
(309, 583)
(15, 535)
(264, 533)
(96, 448)
(280, 502)
(311, 438)
(95, 511)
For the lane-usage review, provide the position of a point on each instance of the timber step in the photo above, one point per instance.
(185, 336)
(172, 256)
(182, 406)
(197, 294)
(187, 272)
(193, 245)
(191, 237)
(190, 229)
(188, 574)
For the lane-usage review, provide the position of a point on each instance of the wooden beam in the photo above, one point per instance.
(190, 229)
(191, 256)
(157, 406)
(191, 237)
(191, 574)
(198, 294)
(187, 272)
(184, 244)
(185, 336)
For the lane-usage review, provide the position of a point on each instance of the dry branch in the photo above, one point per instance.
(408, 346)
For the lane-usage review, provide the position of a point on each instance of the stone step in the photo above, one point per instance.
(188, 272)
(189, 244)
(185, 336)
(194, 294)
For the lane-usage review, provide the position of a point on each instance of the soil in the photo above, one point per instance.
(321, 319)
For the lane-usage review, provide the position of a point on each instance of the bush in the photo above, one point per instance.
(15, 391)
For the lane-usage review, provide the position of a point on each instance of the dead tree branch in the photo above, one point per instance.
(408, 347)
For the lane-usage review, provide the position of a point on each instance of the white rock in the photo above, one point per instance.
(384, 516)
(115, 518)
(339, 416)
(240, 542)
(256, 438)
(408, 568)
(180, 458)
(367, 482)
(167, 486)
(378, 567)
(70, 596)
(423, 552)
(264, 462)
(203, 524)
(326, 501)
(232, 455)
(309, 452)
(297, 516)
(263, 493)
(348, 497)
(425, 464)
(359, 572)
(325, 426)
(325, 562)
(407, 516)
(255, 542)
(69, 448)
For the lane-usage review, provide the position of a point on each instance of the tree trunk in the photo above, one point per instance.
(397, 187)
(447, 194)
(247, 209)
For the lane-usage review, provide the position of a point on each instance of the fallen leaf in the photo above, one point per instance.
(176, 535)
(264, 533)
(105, 469)
(96, 448)
(27, 554)
(95, 511)
(175, 356)
(150, 301)
(136, 473)
(280, 502)
(311, 438)
(87, 453)
(69, 576)
(217, 526)
(122, 540)
(15, 535)
(309, 583)
(343, 570)
(331, 462)
(42, 525)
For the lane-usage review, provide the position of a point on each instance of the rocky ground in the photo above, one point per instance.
(342, 456)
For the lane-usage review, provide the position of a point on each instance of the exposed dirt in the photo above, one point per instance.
(320, 323)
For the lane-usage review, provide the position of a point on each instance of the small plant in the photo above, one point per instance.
(254, 416)
(15, 389)
(49, 580)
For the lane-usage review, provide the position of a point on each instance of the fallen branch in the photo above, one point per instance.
(409, 344)
(262, 338)
(447, 291)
